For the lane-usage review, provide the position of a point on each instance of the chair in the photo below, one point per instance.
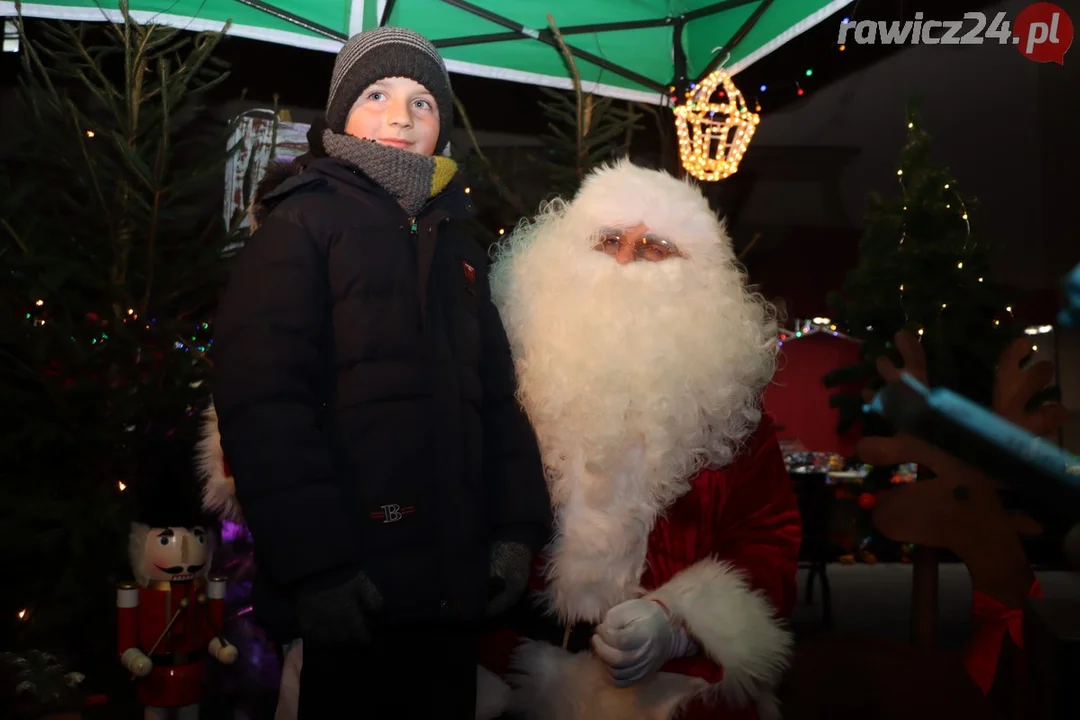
(815, 496)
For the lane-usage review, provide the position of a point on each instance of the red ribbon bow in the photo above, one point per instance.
(993, 620)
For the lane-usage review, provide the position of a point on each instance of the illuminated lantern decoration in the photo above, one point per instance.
(714, 131)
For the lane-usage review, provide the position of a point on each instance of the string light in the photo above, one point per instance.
(23, 614)
(89, 133)
(39, 303)
(810, 327)
(121, 485)
(713, 136)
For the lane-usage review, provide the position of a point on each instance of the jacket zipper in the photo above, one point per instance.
(412, 226)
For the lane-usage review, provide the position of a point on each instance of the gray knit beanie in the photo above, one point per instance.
(385, 52)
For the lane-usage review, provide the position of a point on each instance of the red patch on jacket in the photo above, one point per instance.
(470, 271)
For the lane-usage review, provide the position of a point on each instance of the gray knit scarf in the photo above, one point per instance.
(412, 179)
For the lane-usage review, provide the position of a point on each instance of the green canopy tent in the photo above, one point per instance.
(646, 50)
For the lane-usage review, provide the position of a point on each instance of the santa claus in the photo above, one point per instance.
(641, 358)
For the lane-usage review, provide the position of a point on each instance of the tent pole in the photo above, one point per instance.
(294, 19)
(548, 40)
(740, 34)
(386, 13)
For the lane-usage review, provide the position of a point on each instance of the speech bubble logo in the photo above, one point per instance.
(1043, 33)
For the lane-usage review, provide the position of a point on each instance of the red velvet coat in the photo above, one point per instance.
(723, 558)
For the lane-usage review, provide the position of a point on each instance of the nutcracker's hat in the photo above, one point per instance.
(166, 489)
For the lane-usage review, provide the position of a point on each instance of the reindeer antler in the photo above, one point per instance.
(902, 447)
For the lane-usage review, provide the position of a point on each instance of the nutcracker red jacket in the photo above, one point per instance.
(366, 398)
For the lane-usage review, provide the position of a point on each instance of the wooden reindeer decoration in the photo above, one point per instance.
(960, 510)
(840, 676)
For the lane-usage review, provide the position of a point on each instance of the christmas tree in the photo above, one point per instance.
(921, 268)
(584, 131)
(111, 253)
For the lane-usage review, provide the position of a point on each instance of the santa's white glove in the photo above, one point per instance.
(635, 640)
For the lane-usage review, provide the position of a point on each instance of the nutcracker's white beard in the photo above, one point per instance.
(663, 362)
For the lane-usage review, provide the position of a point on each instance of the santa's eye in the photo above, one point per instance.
(609, 243)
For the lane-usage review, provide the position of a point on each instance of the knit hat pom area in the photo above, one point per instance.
(387, 52)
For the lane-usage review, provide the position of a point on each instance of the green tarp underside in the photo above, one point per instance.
(648, 52)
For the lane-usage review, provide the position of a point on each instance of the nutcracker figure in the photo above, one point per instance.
(171, 616)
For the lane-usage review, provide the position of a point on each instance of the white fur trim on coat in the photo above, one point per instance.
(219, 490)
(492, 694)
(553, 684)
(736, 626)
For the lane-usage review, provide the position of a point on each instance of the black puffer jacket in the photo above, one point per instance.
(365, 394)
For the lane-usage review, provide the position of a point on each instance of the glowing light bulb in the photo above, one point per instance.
(122, 486)
(899, 172)
(843, 48)
(980, 279)
(1035, 348)
(910, 125)
(468, 190)
(39, 303)
(1008, 308)
(23, 614)
(920, 332)
(89, 133)
(946, 186)
(959, 266)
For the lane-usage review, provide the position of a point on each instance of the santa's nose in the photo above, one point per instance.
(625, 253)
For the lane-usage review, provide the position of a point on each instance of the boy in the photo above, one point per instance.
(365, 395)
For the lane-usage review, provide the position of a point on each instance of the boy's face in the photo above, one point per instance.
(398, 112)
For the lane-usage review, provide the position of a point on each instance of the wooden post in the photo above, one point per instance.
(924, 588)
(924, 599)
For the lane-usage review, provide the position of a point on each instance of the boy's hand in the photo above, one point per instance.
(336, 616)
(510, 566)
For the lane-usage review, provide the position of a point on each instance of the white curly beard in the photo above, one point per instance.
(634, 376)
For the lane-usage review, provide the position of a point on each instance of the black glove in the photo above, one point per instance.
(511, 563)
(337, 616)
